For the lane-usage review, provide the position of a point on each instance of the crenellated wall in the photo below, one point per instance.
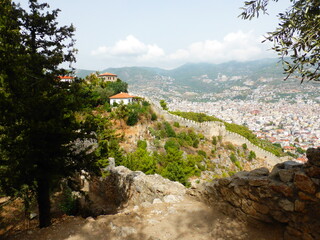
(215, 128)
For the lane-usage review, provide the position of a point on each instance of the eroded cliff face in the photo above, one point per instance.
(288, 195)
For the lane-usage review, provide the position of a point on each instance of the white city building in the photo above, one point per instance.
(124, 98)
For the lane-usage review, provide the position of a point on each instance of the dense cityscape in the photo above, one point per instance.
(284, 114)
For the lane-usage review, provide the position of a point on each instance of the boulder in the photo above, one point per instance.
(313, 155)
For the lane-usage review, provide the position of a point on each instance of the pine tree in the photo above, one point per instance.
(38, 130)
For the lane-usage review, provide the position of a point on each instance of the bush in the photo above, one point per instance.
(169, 130)
(233, 158)
(252, 155)
(238, 165)
(195, 143)
(230, 146)
(163, 104)
(176, 124)
(69, 203)
(214, 140)
(172, 143)
(202, 153)
(142, 144)
(244, 146)
(145, 104)
(154, 117)
(132, 119)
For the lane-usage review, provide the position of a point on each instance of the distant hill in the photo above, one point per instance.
(201, 77)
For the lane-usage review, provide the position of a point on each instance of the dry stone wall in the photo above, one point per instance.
(214, 128)
(288, 195)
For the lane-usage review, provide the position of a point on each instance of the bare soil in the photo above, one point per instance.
(187, 220)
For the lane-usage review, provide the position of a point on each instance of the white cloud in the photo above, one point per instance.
(234, 46)
(129, 47)
(238, 46)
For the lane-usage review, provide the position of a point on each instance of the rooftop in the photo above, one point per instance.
(107, 74)
(122, 95)
(66, 77)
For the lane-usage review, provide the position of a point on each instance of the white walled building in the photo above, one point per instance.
(125, 98)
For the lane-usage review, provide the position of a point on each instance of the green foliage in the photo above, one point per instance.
(175, 173)
(230, 146)
(202, 153)
(97, 91)
(154, 117)
(169, 130)
(244, 146)
(252, 155)
(163, 104)
(238, 165)
(132, 119)
(108, 142)
(172, 143)
(297, 36)
(300, 150)
(69, 202)
(214, 140)
(197, 117)
(176, 124)
(195, 143)
(117, 87)
(133, 112)
(245, 132)
(142, 144)
(145, 103)
(233, 158)
(38, 129)
(292, 154)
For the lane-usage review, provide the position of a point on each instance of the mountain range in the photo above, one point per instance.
(235, 79)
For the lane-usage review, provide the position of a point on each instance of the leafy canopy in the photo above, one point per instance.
(297, 37)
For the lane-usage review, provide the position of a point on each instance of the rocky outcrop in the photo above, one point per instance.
(288, 195)
(123, 187)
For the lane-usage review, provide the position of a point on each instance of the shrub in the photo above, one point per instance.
(238, 165)
(214, 140)
(176, 124)
(163, 104)
(233, 158)
(252, 155)
(230, 146)
(244, 146)
(142, 144)
(154, 117)
(195, 143)
(69, 203)
(145, 104)
(132, 119)
(202, 153)
(172, 143)
(169, 130)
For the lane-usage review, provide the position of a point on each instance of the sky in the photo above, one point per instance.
(164, 33)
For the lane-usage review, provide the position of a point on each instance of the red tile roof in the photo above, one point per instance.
(66, 77)
(122, 95)
(107, 74)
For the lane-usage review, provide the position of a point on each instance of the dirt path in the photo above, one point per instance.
(187, 219)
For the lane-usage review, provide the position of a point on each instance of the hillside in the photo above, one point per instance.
(205, 81)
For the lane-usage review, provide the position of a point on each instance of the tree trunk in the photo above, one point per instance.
(43, 199)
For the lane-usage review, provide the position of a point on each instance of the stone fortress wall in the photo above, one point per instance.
(215, 128)
(289, 195)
